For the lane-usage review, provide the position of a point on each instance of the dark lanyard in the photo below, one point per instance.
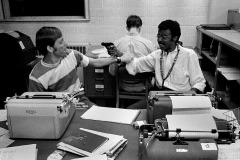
(161, 66)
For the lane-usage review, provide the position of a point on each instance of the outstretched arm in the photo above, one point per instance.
(100, 62)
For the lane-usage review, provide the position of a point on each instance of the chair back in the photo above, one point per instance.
(131, 86)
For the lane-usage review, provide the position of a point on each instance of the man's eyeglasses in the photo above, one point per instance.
(163, 36)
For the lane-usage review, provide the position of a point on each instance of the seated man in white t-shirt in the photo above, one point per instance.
(134, 44)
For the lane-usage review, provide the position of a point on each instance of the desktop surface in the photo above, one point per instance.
(130, 152)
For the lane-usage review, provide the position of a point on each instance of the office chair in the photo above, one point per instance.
(122, 75)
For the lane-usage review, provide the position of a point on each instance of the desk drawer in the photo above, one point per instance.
(98, 82)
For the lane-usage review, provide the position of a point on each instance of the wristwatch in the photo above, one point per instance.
(119, 60)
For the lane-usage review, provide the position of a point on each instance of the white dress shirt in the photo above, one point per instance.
(135, 44)
(186, 73)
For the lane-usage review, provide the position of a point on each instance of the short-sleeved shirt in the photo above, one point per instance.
(59, 77)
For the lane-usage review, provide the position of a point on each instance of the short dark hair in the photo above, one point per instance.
(46, 36)
(173, 26)
(134, 21)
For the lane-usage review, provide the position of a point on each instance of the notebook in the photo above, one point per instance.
(83, 140)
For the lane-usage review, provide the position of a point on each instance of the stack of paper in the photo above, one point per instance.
(112, 147)
(26, 152)
(96, 157)
(191, 105)
(118, 115)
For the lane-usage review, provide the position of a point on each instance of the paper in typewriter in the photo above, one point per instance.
(192, 126)
(191, 104)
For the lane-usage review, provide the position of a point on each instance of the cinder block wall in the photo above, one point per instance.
(108, 17)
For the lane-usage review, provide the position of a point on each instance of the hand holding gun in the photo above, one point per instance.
(112, 51)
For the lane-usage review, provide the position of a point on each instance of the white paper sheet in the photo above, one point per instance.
(26, 152)
(117, 115)
(191, 104)
(95, 157)
(229, 152)
(3, 115)
(200, 126)
(5, 140)
(3, 131)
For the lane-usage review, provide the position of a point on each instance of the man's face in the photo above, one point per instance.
(60, 48)
(165, 40)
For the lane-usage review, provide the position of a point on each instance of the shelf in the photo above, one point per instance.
(209, 78)
(221, 67)
(226, 101)
(210, 56)
(228, 37)
(230, 73)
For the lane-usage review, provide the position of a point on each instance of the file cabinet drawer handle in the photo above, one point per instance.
(99, 79)
(97, 70)
(100, 89)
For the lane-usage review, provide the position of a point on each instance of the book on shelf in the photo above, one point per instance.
(109, 144)
(117, 115)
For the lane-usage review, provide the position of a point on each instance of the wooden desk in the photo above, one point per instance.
(130, 152)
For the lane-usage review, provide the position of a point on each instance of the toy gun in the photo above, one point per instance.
(109, 46)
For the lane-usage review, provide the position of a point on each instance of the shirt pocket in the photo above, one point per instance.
(179, 76)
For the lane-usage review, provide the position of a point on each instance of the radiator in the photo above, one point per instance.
(80, 48)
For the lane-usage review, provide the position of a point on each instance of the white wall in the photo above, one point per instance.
(108, 17)
(218, 10)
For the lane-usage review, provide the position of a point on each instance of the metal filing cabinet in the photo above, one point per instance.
(99, 84)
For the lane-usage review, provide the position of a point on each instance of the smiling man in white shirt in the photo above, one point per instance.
(176, 68)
